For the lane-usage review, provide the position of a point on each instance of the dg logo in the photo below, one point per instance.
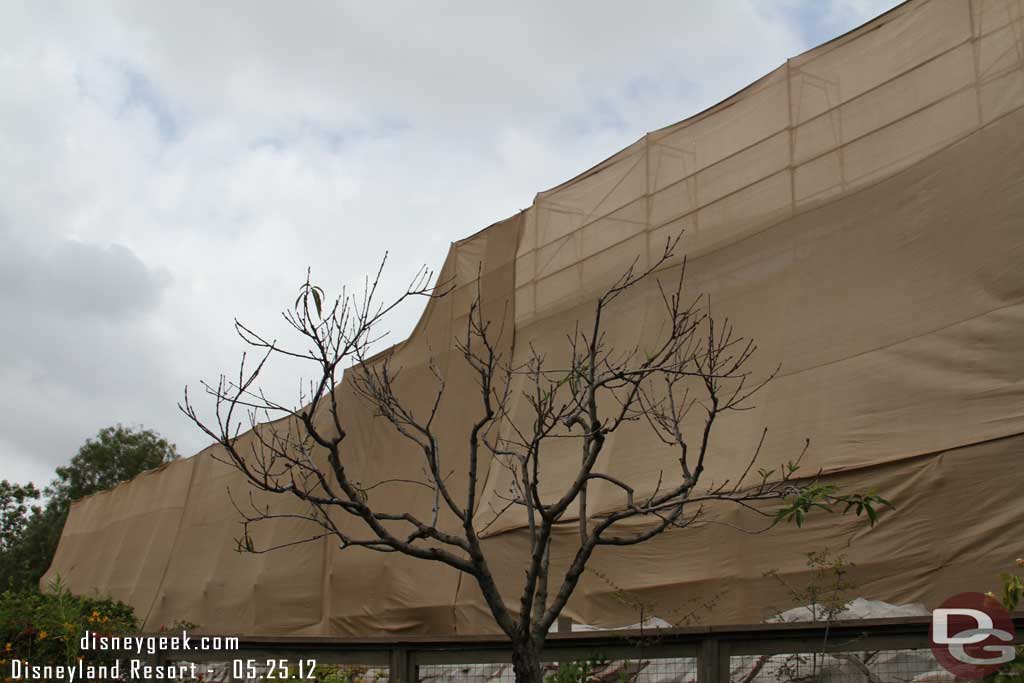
(972, 635)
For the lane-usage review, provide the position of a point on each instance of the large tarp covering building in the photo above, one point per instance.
(859, 211)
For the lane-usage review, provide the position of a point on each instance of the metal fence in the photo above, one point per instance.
(863, 651)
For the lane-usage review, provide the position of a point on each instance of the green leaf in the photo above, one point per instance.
(317, 300)
(872, 515)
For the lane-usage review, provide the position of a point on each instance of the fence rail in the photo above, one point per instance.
(894, 650)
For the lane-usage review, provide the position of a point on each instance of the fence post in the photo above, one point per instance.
(400, 667)
(713, 661)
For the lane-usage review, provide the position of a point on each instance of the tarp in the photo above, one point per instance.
(859, 212)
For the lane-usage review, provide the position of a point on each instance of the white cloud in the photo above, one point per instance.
(168, 166)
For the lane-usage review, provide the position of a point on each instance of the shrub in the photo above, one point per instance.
(45, 628)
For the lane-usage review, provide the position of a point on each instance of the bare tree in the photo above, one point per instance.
(695, 372)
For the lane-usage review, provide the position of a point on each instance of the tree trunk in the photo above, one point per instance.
(526, 663)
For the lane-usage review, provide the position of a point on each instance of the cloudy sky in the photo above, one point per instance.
(166, 166)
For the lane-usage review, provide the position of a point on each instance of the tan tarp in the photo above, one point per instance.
(859, 211)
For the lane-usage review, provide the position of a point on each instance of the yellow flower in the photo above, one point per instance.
(42, 635)
(990, 594)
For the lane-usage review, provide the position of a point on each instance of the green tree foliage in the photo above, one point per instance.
(30, 536)
(115, 455)
(14, 511)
